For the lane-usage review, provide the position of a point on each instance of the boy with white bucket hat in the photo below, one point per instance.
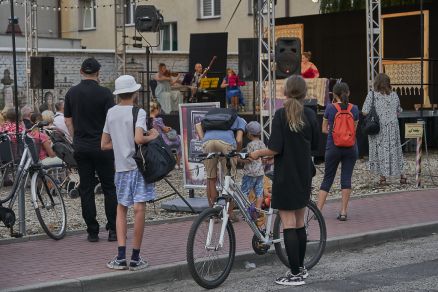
(118, 134)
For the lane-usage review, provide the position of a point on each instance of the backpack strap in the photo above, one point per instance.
(337, 107)
(135, 111)
(350, 107)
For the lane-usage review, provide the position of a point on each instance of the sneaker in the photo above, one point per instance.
(116, 264)
(93, 237)
(138, 265)
(292, 280)
(303, 273)
(112, 235)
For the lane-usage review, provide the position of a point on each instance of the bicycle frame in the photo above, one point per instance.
(26, 162)
(231, 189)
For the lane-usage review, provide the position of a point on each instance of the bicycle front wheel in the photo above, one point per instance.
(316, 237)
(209, 262)
(49, 205)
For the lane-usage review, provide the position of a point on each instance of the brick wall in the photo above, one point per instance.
(67, 65)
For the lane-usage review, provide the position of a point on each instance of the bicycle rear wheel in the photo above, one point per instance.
(49, 205)
(6, 175)
(210, 265)
(316, 237)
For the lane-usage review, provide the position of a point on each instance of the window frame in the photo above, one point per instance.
(212, 16)
(92, 9)
(172, 32)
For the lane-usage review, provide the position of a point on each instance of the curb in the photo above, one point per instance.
(177, 271)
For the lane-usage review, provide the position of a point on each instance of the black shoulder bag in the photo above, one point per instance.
(371, 125)
(154, 159)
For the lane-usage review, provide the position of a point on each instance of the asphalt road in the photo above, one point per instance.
(397, 266)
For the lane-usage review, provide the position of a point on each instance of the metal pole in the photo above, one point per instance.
(422, 57)
(21, 202)
(148, 77)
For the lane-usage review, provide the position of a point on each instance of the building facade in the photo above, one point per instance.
(94, 21)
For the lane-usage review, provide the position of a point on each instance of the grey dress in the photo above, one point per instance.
(385, 153)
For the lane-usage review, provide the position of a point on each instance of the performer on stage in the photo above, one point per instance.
(234, 96)
(308, 69)
(168, 98)
(196, 80)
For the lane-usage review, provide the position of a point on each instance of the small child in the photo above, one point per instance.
(118, 134)
(254, 170)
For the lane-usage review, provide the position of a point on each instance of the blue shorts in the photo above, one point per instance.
(252, 183)
(131, 188)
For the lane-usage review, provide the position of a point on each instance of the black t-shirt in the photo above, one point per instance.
(87, 104)
(293, 164)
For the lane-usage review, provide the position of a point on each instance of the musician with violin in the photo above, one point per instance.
(168, 98)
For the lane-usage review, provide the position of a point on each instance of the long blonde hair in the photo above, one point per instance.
(295, 90)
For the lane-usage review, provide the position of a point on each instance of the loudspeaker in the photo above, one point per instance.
(288, 57)
(147, 18)
(42, 72)
(249, 59)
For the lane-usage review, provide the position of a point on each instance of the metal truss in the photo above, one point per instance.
(374, 40)
(31, 39)
(265, 22)
(120, 7)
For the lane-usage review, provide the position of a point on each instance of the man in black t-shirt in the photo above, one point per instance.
(86, 106)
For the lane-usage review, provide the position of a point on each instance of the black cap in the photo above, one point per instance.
(90, 66)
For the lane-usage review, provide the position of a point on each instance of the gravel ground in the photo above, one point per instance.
(364, 183)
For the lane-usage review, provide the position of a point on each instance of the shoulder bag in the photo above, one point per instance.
(154, 159)
(371, 125)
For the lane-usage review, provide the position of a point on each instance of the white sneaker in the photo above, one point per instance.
(303, 273)
(292, 280)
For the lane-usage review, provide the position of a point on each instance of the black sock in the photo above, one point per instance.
(302, 239)
(292, 249)
(135, 254)
(122, 253)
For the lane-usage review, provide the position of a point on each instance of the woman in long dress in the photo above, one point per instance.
(385, 153)
(168, 98)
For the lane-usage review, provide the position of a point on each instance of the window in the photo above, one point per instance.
(88, 14)
(130, 12)
(210, 9)
(169, 37)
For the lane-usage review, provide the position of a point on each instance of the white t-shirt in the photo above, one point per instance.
(119, 125)
(59, 122)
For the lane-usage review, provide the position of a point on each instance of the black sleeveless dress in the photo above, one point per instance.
(293, 165)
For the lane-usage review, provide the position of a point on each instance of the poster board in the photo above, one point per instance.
(193, 169)
(413, 130)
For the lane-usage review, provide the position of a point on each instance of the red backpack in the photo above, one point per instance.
(344, 128)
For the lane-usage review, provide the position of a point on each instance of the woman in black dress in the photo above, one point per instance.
(294, 135)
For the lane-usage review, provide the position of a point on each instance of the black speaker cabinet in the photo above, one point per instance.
(288, 57)
(42, 72)
(249, 59)
(147, 18)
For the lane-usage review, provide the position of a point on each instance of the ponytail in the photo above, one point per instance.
(295, 90)
(342, 91)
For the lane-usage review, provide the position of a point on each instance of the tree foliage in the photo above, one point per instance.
(328, 6)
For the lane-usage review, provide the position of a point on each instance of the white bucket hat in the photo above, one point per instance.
(126, 84)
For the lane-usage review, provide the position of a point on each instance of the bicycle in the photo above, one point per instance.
(46, 197)
(217, 246)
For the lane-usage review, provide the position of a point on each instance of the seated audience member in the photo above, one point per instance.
(48, 116)
(59, 120)
(10, 124)
(26, 111)
(46, 154)
(169, 135)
